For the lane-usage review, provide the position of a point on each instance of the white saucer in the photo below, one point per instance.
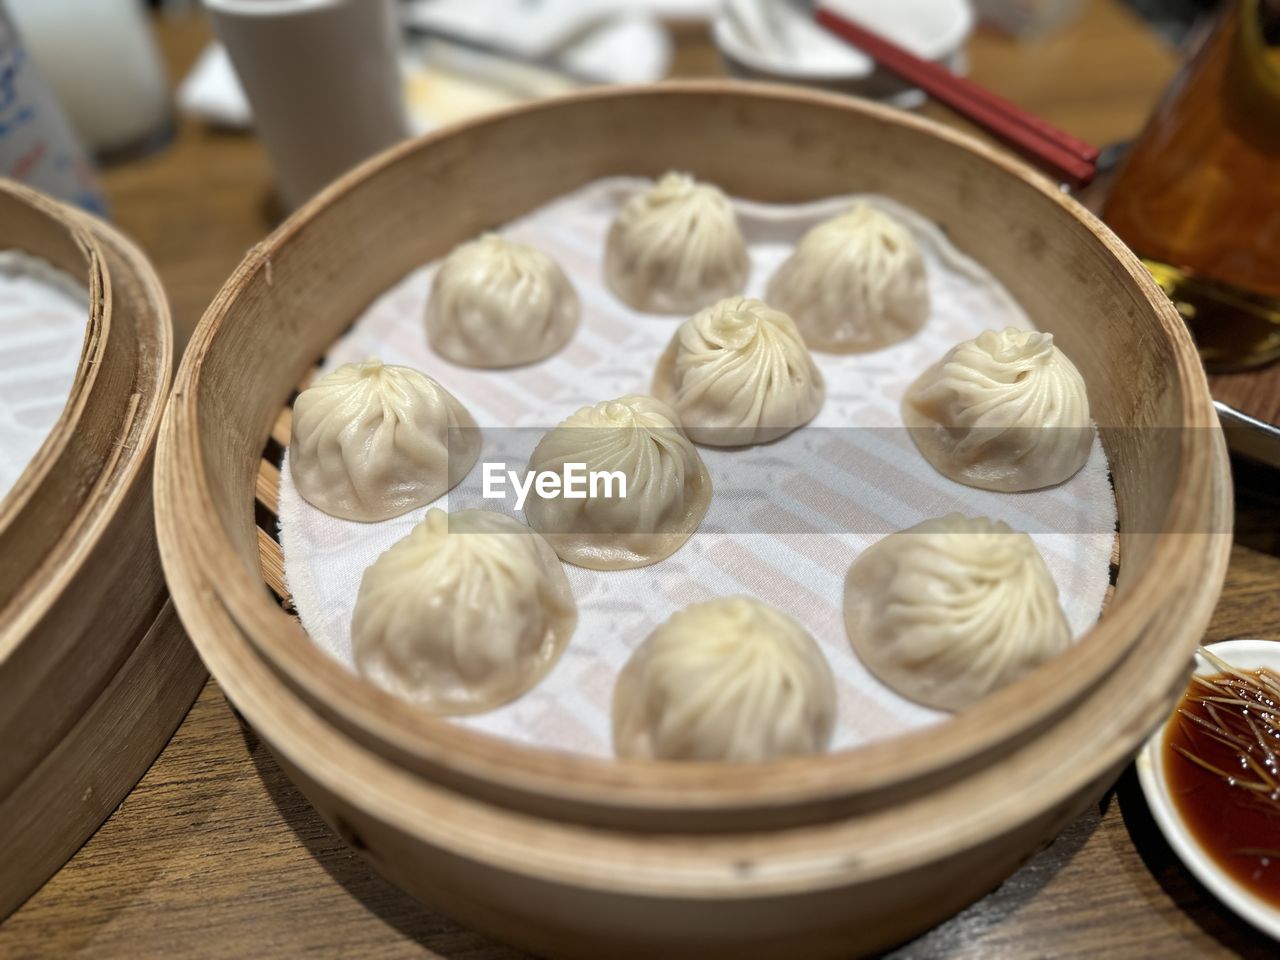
(1245, 655)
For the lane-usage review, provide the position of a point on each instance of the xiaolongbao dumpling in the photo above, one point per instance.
(657, 492)
(1006, 411)
(498, 303)
(855, 283)
(737, 373)
(675, 248)
(467, 612)
(371, 441)
(731, 679)
(952, 609)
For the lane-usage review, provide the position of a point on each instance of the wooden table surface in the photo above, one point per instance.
(216, 854)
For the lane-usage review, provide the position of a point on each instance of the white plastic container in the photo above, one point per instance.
(101, 61)
(38, 147)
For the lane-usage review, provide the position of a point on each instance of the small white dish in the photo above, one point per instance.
(1245, 655)
(778, 41)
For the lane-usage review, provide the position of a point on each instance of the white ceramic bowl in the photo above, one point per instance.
(1245, 655)
(774, 40)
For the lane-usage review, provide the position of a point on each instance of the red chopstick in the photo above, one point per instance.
(1063, 155)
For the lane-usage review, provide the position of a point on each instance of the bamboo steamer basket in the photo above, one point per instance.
(95, 672)
(574, 856)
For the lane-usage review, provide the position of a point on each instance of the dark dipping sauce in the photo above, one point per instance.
(1234, 815)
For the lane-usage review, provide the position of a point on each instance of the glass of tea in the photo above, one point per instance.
(1198, 196)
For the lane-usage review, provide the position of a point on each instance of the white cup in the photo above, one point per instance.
(323, 80)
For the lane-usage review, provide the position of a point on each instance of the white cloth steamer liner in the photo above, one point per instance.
(614, 353)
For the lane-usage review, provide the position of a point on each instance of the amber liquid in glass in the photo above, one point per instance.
(1198, 197)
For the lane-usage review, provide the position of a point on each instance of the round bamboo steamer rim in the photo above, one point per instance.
(77, 533)
(301, 287)
(42, 227)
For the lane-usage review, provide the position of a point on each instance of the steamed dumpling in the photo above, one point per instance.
(952, 609)
(667, 488)
(498, 303)
(675, 248)
(467, 612)
(1006, 411)
(855, 283)
(371, 441)
(737, 373)
(731, 679)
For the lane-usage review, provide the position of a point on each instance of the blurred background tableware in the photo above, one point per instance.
(323, 80)
(778, 40)
(1066, 158)
(101, 61)
(459, 59)
(1198, 198)
(464, 56)
(1027, 19)
(37, 143)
